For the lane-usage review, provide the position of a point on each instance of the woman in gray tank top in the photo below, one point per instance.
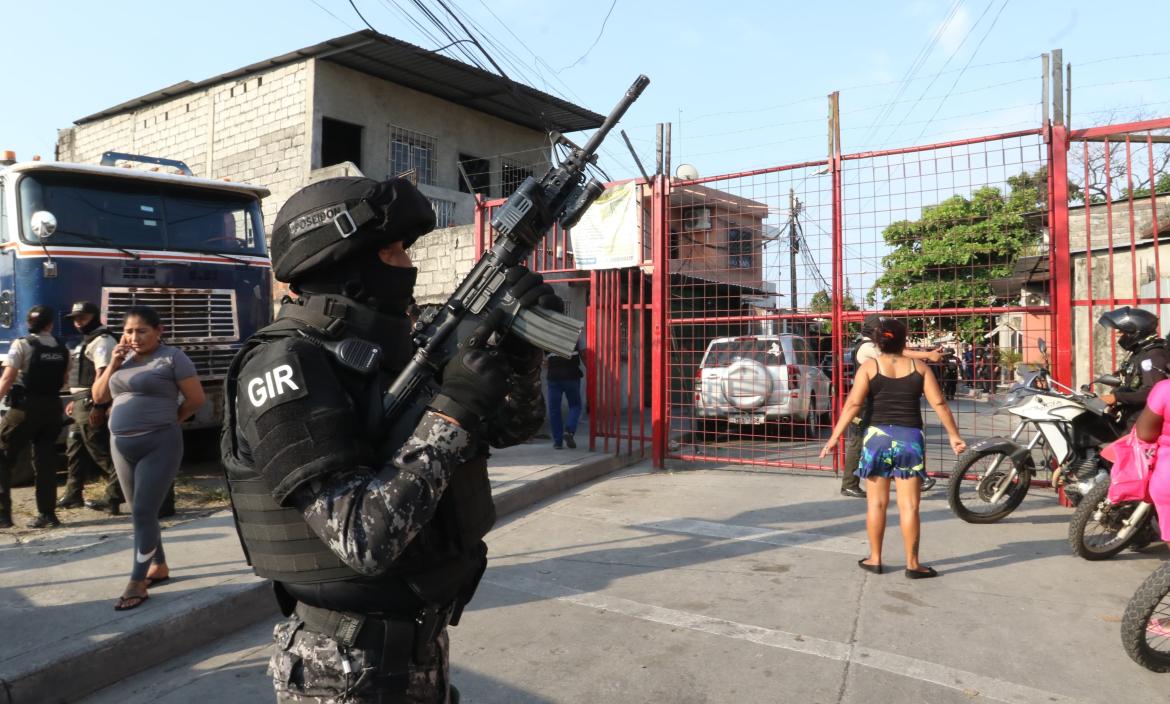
(894, 448)
(144, 380)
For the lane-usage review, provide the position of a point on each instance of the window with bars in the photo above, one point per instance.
(512, 175)
(444, 212)
(410, 150)
(479, 172)
(739, 248)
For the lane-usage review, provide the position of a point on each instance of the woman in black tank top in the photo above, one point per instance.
(894, 447)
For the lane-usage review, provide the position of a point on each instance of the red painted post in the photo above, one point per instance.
(591, 367)
(838, 247)
(660, 381)
(1062, 294)
(480, 222)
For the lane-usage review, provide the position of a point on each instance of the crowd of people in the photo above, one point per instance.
(127, 400)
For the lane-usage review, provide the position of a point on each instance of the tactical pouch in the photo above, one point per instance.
(466, 509)
(17, 397)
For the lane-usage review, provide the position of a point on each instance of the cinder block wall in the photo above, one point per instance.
(443, 258)
(253, 130)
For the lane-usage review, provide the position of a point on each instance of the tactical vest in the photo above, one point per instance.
(46, 368)
(437, 566)
(856, 349)
(83, 373)
(1131, 371)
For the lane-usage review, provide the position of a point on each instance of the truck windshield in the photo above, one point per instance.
(105, 212)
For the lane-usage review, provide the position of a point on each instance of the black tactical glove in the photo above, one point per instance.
(529, 289)
(475, 383)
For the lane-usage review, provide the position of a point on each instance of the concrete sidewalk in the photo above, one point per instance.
(64, 640)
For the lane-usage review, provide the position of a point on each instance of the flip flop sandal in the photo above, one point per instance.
(152, 581)
(876, 569)
(125, 603)
(926, 573)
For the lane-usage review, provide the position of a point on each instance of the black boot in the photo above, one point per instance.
(111, 507)
(71, 500)
(45, 520)
(5, 511)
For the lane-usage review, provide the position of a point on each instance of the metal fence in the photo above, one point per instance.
(731, 342)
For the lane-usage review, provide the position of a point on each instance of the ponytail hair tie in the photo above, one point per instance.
(887, 334)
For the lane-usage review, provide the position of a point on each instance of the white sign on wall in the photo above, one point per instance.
(607, 235)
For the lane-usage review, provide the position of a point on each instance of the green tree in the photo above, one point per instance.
(951, 254)
(822, 302)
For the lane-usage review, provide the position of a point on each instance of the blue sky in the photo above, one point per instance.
(744, 82)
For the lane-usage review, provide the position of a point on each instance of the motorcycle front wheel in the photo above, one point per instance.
(1145, 628)
(977, 477)
(1099, 529)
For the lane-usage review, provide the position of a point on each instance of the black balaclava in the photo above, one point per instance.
(385, 288)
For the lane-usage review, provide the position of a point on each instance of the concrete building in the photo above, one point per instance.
(385, 106)
(1119, 252)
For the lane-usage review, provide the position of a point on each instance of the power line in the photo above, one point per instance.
(962, 43)
(1122, 58)
(359, 14)
(919, 62)
(599, 33)
(862, 86)
(329, 12)
(972, 57)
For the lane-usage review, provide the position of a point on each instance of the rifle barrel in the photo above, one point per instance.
(611, 121)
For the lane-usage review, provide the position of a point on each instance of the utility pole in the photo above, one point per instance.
(793, 245)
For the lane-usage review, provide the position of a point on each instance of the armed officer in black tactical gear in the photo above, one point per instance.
(34, 373)
(1146, 365)
(373, 549)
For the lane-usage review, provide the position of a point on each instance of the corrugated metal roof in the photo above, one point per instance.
(408, 65)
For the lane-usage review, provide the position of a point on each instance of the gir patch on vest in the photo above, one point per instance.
(269, 386)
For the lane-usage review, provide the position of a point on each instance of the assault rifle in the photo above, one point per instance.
(561, 196)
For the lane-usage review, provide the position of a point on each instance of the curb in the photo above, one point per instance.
(555, 481)
(88, 670)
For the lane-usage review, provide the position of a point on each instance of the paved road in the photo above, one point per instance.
(725, 585)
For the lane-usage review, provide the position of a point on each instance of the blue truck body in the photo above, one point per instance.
(192, 248)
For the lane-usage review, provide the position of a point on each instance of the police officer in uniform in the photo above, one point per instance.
(1146, 365)
(373, 549)
(33, 376)
(951, 368)
(88, 444)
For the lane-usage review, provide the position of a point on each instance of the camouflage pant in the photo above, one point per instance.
(309, 667)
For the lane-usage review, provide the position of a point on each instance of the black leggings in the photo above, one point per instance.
(147, 464)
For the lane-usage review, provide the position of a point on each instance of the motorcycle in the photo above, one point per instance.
(993, 476)
(1145, 627)
(1101, 529)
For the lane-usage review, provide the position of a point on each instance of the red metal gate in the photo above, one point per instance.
(732, 341)
(615, 305)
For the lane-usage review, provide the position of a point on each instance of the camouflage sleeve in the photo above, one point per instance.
(522, 412)
(368, 518)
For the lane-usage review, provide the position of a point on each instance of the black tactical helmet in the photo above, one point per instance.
(1134, 324)
(332, 220)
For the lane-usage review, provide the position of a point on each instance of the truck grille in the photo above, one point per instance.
(211, 362)
(189, 315)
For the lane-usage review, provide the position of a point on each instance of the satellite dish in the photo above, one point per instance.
(686, 172)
